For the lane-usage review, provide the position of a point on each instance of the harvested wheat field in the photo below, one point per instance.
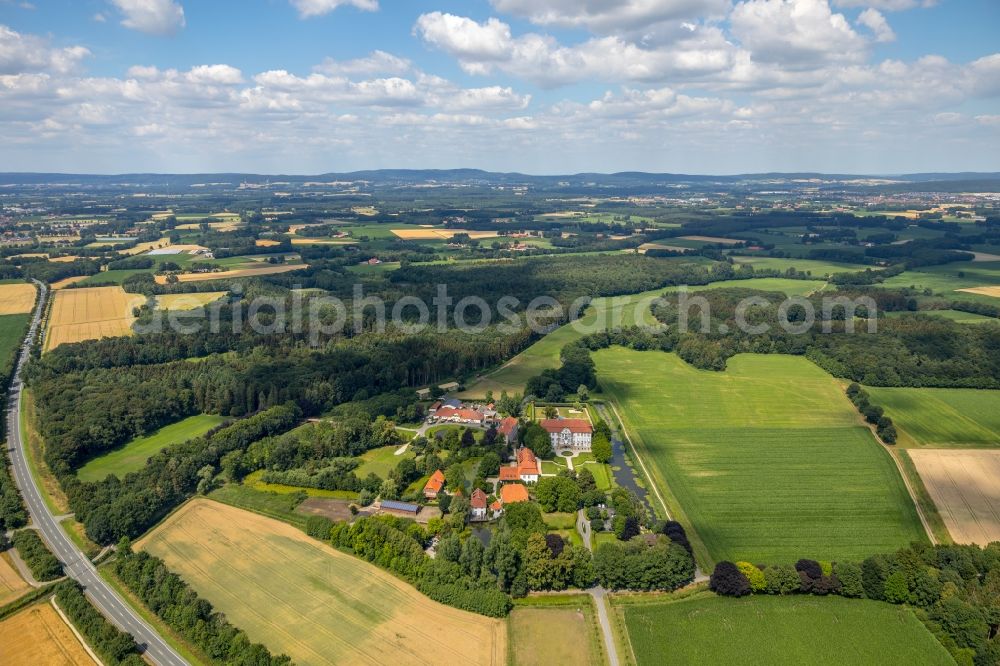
(38, 635)
(90, 314)
(16, 298)
(303, 598)
(67, 259)
(11, 584)
(266, 242)
(439, 234)
(299, 240)
(983, 291)
(187, 301)
(214, 226)
(145, 247)
(965, 486)
(237, 273)
(62, 284)
(713, 239)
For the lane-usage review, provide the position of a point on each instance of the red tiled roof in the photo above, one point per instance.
(435, 483)
(509, 474)
(525, 456)
(478, 499)
(512, 493)
(558, 425)
(496, 506)
(507, 425)
(464, 414)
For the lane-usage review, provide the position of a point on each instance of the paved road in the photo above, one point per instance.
(599, 594)
(75, 563)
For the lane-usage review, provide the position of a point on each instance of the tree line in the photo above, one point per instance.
(43, 564)
(111, 644)
(955, 590)
(180, 607)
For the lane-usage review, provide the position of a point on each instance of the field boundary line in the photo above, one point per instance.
(628, 437)
(906, 483)
(93, 655)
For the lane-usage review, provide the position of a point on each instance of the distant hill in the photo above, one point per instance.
(947, 182)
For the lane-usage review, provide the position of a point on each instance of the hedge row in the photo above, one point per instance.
(872, 413)
(43, 564)
(111, 644)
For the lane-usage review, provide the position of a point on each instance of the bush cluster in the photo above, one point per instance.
(398, 546)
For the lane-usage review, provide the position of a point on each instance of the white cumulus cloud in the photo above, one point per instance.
(310, 8)
(604, 16)
(795, 32)
(30, 53)
(875, 21)
(153, 17)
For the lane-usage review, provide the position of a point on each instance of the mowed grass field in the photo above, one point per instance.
(380, 461)
(768, 460)
(132, 456)
(607, 313)
(551, 635)
(37, 635)
(90, 313)
(13, 328)
(305, 599)
(942, 418)
(779, 630)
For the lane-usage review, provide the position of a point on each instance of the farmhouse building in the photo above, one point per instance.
(477, 504)
(461, 415)
(434, 485)
(513, 493)
(404, 509)
(574, 434)
(525, 468)
(508, 430)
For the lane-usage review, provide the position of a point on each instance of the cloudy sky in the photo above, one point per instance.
(538, 86)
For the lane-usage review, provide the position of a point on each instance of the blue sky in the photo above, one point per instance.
(540, 86)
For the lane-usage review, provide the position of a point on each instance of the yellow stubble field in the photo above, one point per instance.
(90, 314)
(11, 584)
(16, 298)
(301, 597)
(440, 234)
(37, 635)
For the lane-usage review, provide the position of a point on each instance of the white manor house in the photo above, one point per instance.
(569, 434)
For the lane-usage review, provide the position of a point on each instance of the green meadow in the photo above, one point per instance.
(380, 461)
(767, 461)
(941, 418)
(13, 328)
(812, 266)
(944, 280)
(953, 315)
(779, 630)
(134, 455)
(608, 312)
